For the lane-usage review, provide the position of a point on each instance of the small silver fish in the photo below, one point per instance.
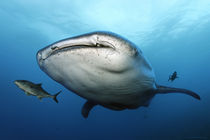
(35, 90)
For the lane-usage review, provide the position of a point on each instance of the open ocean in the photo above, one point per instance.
(174, 35)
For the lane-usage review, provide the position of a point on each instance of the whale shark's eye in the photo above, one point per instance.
(53, 47)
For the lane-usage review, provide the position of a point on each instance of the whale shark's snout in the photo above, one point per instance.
(42, 55)
(39, 56)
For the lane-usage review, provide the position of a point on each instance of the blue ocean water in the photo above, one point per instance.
(173, 35)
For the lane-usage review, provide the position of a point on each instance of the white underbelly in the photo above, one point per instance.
(101, 85)
(106, 87)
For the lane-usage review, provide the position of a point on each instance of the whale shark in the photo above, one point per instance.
(104, 68)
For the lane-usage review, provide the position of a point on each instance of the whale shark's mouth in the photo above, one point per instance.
(56, 50)
(69, 48)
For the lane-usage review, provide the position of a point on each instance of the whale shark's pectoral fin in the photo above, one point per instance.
(87, 107)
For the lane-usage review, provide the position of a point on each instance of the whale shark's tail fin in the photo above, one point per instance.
(165, 90)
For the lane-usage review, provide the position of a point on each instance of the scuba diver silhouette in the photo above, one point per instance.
(173, 76)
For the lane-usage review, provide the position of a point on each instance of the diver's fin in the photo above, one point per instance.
(165, 90)
(87, 107)
(55, 96)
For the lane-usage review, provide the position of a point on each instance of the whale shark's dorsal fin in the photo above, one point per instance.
(87, 107)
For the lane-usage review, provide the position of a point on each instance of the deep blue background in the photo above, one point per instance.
(174, 35)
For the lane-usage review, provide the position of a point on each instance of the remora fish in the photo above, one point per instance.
(35, 90)
(104, 68)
